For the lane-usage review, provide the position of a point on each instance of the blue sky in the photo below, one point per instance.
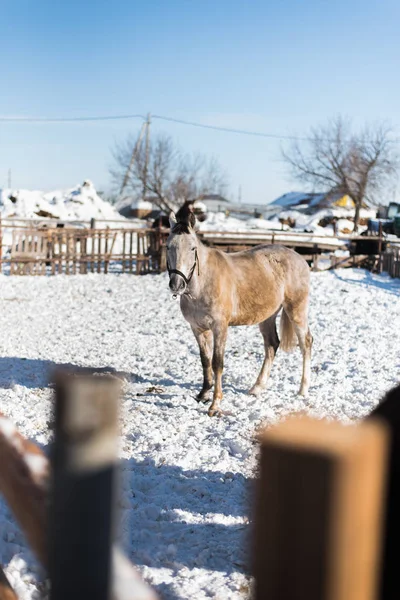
(277, 67)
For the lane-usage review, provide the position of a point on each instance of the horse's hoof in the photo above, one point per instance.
(256, 390)
(214, 412)
(303, 393)
(204, 398)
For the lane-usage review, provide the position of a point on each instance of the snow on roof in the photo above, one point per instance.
(200, 206)
(139, 204)
(302, 200)
(296, 198)
(80, 203)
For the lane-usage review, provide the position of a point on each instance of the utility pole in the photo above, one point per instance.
(146, 159)
(133, 157)
(240, 194)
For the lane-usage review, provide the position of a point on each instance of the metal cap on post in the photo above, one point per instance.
(84, 457)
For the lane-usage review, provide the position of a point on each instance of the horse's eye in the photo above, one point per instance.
(193, 249)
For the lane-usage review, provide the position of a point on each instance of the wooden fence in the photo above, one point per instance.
(72, 250)
(47, 249)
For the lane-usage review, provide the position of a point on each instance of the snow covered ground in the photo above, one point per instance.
(187, 479)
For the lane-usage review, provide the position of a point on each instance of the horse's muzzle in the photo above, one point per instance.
(176, 284)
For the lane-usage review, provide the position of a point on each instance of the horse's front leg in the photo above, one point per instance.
(220, 334)
(205, 341)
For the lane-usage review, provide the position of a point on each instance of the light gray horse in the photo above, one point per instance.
(218, 290)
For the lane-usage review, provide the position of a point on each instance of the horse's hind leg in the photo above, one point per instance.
(298, 316)
(271, 344)
(305, 340)
(205, 342)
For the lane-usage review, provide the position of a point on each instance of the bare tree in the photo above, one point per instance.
(171, 176)
(363, 165)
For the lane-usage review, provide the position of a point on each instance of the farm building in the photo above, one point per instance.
(310, 203)
(215, 203)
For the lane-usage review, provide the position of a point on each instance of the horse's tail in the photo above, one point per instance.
(287, 333)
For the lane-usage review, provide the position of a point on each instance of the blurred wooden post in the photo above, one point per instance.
(23, 478)
(388, 411)
(315, 257)
(318, 511)
(83, 459)
(6, 591)
(380, 233)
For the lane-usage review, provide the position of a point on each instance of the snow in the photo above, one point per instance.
(221, 222)
(185, 502)
(139, 204)
(80, 203)
(303, 222)
(200, 206)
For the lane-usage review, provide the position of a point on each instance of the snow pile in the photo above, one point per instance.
(311, 223)
(220, 222)
(302, 221)
(80, 203)
(187, 479)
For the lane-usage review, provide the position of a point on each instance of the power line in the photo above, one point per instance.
(68, 119)
(16, 119)
(261, 134)
(231, 130)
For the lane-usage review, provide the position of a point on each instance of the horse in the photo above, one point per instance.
(218, 290)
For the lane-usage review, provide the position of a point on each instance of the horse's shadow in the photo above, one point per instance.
(194, 387)
(369, 280)
(39, 373)
(163, 382)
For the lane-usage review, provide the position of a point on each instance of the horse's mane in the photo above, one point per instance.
(180, 228)
(185, 218)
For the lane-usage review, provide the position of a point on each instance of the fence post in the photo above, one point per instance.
(389, 412)
(315, 257)
(83, 459)
(318, 511)
(380, 233)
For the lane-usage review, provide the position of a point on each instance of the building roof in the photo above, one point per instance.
(217, 197)
(306, 201)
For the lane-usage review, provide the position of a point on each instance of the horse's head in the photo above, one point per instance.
(182, 243)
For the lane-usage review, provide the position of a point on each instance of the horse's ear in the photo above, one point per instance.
(172, 219)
